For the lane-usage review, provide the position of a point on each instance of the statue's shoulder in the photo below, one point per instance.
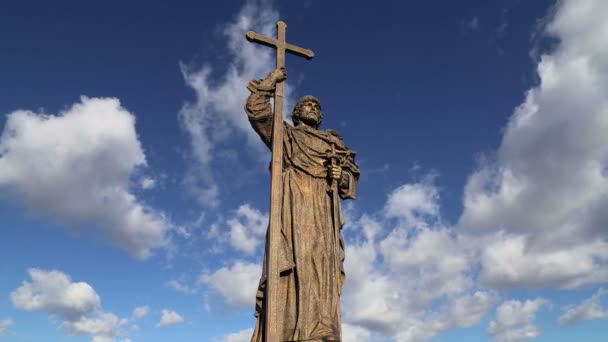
(336, 138)
(335, 134)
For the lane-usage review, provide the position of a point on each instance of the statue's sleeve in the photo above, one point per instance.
(259, 110)
(347, 187)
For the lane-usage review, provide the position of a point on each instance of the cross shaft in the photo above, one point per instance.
(276, 182)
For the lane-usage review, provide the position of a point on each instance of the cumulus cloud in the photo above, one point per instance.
(237, 284)
(54, 292)
(169, 318)
(181, 287)
(242, 229)
(415, 203)
(392, 259)
(5, 326)
(75, 167)
(141, 312)
(247, 229)
(508, 262)
(356, 333)
(590, 308)
(542, 201)
(466, 310)
(104, 326)
(76, 303)
(514, 320)
(147, 183)
(240, 336)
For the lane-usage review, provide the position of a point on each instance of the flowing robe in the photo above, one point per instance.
(311, 252)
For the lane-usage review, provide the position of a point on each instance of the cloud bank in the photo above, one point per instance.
(542, 202)
(76, 167)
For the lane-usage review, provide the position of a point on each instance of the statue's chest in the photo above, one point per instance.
(318, 145)
(310, 152)
(312, 145)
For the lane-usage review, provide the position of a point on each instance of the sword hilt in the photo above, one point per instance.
(333, 160)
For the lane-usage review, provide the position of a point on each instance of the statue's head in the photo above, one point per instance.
(307, 111)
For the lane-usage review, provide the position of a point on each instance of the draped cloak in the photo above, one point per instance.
(311, 251)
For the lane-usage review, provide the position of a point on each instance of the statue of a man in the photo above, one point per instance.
(311, 253)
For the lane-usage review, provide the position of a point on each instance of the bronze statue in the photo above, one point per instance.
(318, 171)
(298, 297)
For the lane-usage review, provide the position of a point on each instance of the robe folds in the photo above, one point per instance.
(311, 251)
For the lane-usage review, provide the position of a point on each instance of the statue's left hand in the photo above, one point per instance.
(335, 171)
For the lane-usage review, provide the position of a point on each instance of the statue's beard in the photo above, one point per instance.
(309, 118)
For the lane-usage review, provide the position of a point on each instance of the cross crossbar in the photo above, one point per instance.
(270, 42)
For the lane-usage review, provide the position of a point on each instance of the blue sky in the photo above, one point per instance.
(134, 194)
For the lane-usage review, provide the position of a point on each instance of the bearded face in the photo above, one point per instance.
(308, 112)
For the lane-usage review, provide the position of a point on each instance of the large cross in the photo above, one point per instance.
(276, 183)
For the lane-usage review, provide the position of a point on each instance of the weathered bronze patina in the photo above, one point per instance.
(299, 293)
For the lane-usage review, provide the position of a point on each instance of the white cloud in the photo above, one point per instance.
(247, 229)
(5, 326)
(545, 194)
(514, 320)
(242, 229)
(371, 228)
(354, 333)
(54, 292)
(240, 336)
(510, 262)
(590, 308)
(370, 297)
(169, 318)
(104, 326)
(76, 303)
(430, 246)
(217, 115)
(411, 255)
(76, 166)
(468, 310)
(147, 183)
(414, 203)
(180, 287)
(141, 312)
(237, 284)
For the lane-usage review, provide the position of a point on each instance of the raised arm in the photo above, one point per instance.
(258, 106)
